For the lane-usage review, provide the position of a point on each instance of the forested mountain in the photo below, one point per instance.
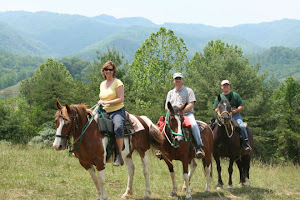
(64, 34)
(279, 61)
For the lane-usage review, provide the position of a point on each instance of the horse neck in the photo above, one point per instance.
(81, 120)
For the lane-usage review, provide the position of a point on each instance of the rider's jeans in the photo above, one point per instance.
(238, 118)
(195, 129)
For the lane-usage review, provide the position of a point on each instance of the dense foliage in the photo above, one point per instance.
(272, 109)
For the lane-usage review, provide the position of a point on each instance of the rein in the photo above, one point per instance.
(82, 132)
(219, 119)
(172, 132)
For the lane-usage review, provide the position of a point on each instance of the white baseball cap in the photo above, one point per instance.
(225, 82)
(177, 74)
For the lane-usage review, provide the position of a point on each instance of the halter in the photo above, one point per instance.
(230, 122)
(172, 132)
(74, 127)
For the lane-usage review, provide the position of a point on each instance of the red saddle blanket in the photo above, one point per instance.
(162, 121)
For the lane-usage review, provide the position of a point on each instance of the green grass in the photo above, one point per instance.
(28, 172)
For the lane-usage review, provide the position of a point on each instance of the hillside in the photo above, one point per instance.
(63, 34)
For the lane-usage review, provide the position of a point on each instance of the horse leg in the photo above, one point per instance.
(186, 180)
(97, 182)
(193, 167)
(219, 168)
(230, 170)
(172, 175)
(207, 174)
(246, 164)
(130, 169)
(145, 161)
(242, 175)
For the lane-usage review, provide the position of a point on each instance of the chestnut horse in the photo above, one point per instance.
(90, 145)
(178, 145)
(227, 143)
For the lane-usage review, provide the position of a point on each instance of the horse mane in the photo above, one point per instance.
(81, 109)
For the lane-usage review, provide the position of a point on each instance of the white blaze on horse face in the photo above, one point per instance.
(179, 124)
(57, 140)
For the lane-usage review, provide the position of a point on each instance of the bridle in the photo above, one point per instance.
(171, 131)
(220, 115)
(74, 127)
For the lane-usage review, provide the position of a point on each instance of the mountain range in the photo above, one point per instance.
(49, 34)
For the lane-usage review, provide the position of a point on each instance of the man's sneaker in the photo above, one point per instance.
(200, 153)
(247, 150)
(158, 155)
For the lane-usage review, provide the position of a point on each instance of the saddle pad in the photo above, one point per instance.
(161, 123)
(137, 125)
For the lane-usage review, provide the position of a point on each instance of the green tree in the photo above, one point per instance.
(218, 62)
(151, 72)
(286, 109)
(50, 82)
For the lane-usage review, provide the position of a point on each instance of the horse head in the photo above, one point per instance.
(174, 122)
(66, 124)
(224, 111)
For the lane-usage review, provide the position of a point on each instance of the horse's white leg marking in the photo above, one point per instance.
(104, 144)
(174, 188)
(207, 172)
(102, 184)
(130, 169)
(193, 167)
(145, 161)
(188, 190)
(247, 182)
(57, 140)
(95, 178)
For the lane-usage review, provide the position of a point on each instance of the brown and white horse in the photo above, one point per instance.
(178, 145)
(90, 145)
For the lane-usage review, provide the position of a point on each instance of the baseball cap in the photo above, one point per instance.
(225, 82)
(177, 74)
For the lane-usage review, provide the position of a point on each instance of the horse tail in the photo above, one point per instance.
(155, 136)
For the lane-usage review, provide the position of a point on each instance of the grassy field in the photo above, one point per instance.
(34, 173)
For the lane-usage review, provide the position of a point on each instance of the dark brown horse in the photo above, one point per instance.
(227, 143)
(90, 145)
(178, 145)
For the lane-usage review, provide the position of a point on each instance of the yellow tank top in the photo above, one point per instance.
(110, 93)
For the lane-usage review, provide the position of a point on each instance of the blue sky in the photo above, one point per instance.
(210, 12)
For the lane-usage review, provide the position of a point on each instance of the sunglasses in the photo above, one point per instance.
(108, 69)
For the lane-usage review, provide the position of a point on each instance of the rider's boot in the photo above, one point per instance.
(200, 152)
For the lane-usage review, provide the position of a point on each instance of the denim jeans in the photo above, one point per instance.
(238, 118)
(195, 130)
(118, 118)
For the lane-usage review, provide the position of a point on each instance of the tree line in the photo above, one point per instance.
(272, 108)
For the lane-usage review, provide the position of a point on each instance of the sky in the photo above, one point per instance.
(219, 13)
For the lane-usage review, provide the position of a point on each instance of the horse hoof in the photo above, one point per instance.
(229, 187)
(173, 194)
(146, 198)
(207, 191)
(240, 185)
(188, 198)
(219, 187)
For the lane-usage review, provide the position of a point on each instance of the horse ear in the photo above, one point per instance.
(58, 105)
(68, 108)
(170, 106)
(219, 98)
